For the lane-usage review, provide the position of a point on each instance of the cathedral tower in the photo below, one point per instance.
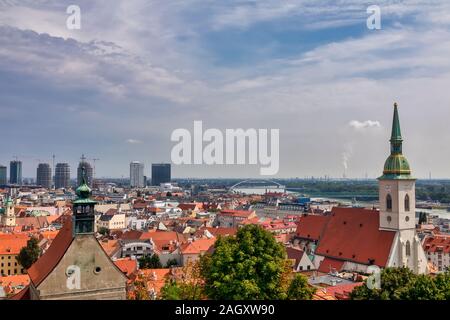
(397, 192)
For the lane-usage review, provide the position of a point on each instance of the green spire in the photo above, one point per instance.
(396, 135)
(83, 191)
(396, 166)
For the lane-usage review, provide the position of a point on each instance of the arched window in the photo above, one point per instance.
(389, 202)
(407, 203)
(408, 248)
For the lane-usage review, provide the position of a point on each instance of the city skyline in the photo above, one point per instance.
(116, 91)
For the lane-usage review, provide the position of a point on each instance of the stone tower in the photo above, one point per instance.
(8, 217)
(397, 205)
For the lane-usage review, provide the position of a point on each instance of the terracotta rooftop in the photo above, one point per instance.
(311, 226)
(50, 259)
(352, 234)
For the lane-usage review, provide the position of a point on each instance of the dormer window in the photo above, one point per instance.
(389, 203)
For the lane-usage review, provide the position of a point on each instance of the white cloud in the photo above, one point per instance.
(134, 141)
(364, 125)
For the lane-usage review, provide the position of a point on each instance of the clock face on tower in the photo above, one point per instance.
(388, 188)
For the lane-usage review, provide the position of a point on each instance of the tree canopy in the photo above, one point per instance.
(248, 266)
(403, 284)
(29, 254)
(150, 262)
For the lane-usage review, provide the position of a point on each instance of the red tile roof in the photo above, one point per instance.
(311, 226)
(353, 234)
(11, 244)
(127, 265)
(437, 243)
(198, 246)
(328, 264)
(47, 262)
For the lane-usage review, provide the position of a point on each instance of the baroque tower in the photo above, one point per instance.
(397, 205)
(8, 217)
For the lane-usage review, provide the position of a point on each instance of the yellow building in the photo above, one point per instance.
(10, 246)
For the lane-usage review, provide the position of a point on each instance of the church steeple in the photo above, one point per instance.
(396, 166)
(83, 209)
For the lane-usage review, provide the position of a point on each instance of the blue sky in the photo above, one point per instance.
(137, 70)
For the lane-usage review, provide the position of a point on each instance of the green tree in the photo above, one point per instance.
(29, 254)
(248, 266)
(189, 285)
(150, 262)
(171, 263)
(299, 289)
(103, 231)
(403, 284)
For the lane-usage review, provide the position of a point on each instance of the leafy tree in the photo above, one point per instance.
(139, 289)
(299, 289)
(171, 263)
(188, 286)
(29, 254)
(103, 231)
(150, 262)
(403, 284)
(249, 266)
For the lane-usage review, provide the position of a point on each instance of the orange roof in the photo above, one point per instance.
(47, 262)
(48, 234)
(311, 226)
(237, 213)
(110, 246)
(127, 265)
(14, 281)
(12, 244)
(156, 278)
(197, 246)
(353, 234)
(437, 243)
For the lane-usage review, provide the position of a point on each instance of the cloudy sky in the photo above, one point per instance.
(137, 70)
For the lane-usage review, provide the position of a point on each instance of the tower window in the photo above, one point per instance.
(389, 202)
(408, 248)
(407, 203)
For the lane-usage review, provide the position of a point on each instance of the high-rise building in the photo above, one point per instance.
(160, 173)
(137, 174)
(3, 175)
(88, 172)
(44, 175)
(15, 172)
(62, 176)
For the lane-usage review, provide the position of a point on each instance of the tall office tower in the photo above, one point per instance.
(160, 173)
(15, 172)
(88, 172)
(62, 176)
(44, 175)
(3, 175)
(137, 174)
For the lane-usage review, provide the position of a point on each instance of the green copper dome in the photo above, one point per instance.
(83, 192)
(396, 166)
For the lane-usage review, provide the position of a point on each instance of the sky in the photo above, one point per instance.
(137, 70)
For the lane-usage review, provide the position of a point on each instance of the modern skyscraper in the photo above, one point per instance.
(160, 173)
(15, 172)
(88, 172)
(62, 176)
(44, 175)
(137, 174)
(3, 175)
